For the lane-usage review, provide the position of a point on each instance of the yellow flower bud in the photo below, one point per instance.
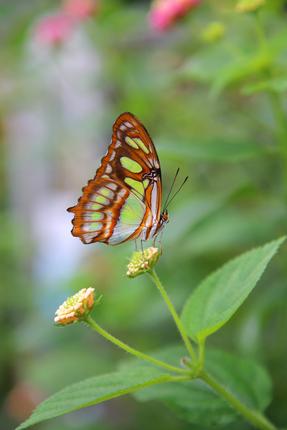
(142, 261)
(249, 5)
(213, 32)
(75, 308)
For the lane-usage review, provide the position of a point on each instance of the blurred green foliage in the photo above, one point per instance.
(217, 110)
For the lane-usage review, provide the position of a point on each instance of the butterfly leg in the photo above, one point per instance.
(160, 241)
(136, 245)
(142, 246)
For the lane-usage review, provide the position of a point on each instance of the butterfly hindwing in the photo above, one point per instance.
(123, 200)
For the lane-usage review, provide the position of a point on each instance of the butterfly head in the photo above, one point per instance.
(164, 219)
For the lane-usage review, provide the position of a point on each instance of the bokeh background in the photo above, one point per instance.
(211, 89)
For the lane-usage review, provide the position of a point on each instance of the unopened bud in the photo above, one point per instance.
(76, 307)
(142, 261)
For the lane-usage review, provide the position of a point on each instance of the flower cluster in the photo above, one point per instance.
(142, 261)
(164, 13)
(80, 10)
(53, 30)
(76, 307)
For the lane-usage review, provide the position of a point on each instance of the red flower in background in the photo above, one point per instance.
(54, 29)
(164, 13)
(80, 10)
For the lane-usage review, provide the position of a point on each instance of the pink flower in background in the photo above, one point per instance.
(54, 29)
(164, 13)
(80, 10)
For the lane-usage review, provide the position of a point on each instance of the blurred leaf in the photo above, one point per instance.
(218, 296)
(197, 403)
(220, 68)
(95, 390)
(257, 319)
(278, 85)
(217, 149)
(205, 223)
(205, 65)
(190, 214)
(232, 228)
(239, 70)
(59, 367)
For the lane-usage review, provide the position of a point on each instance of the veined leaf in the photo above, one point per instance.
(195, 402)
(95, 390)
(218, 296)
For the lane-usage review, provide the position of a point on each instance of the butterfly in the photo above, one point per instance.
(123, 201)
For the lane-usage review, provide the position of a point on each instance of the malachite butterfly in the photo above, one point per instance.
(123, 201)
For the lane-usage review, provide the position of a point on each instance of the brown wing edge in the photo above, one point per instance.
(130, 117)
(125, 116)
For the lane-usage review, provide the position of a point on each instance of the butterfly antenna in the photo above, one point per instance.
(177, 191)
(170, 190)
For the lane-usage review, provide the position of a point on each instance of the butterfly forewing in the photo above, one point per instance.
(123, 200)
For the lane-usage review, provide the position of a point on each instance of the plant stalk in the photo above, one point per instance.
(254, 417)
(95, 326)
(276, 103)
(174, 314)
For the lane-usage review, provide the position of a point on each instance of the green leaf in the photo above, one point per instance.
(192, 213)
(205, 65)
(245, 378)
(277, 85)
(95, 390)
(195, 402)
(232, 228)
(239, 70)
(218, 296)
(216, 149)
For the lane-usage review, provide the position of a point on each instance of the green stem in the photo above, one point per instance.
(160, 380)
(92, 323)
(281, 119)
(174, 314)
(260, 33)
(201, 354)
(277, 107)
(255, 418)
